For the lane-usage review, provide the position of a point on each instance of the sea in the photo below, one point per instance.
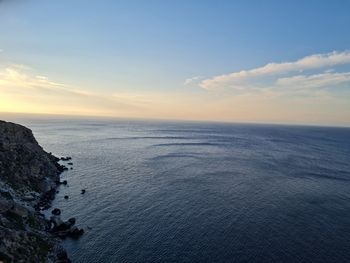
(170, 191)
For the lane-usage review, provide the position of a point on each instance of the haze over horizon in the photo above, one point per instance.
(245, 61)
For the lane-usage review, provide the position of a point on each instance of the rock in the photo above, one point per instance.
(59, 225)
(56, 221)
(65, 229)
(83, 191)
(76, 232)
(61, 168)
(64, 182)
(28, 177)
(72, 220)
(70, 163)
(29, 198)
(66, 158)
(51, 193)
(66, 197)
(62, 257)
(25, 166)
(45, 199)
(56, 211)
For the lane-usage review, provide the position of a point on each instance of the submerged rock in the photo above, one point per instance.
(56, 211)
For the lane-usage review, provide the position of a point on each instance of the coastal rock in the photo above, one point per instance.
(28, 177)
(55, 222)
(72, 220)
(76, 232)
(24, 165)
(64, 229)
(56, 212)
(62, 257)
(68, 158)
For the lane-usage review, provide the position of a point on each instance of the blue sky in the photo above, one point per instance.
(152, 47)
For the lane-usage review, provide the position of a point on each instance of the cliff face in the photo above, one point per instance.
(26, 173)
(24, 165)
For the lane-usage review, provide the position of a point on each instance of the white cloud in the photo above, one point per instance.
(18, 83)
(16, 78)
(238, 79)
(192, 79)
(23, 91)
(314, 81)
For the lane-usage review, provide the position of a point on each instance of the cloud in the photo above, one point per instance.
(192, 80)
(23, 90)
(19, 87)
(238, 80)
(313, 81)
(15, 77)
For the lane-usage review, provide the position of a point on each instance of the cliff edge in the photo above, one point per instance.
(27, 173)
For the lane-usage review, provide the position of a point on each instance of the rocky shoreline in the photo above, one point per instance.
(29, 178)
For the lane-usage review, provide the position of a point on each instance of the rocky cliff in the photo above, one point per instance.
(27, 174)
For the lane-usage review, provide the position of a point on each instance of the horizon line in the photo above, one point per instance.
(105, 117)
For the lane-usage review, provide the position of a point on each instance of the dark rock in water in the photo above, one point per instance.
(28, 177)
(61, 168)
(66, 197)
(62, 257)
(83, 191)
(72, 220)
(76, 232)
(56, 211)
(68, 158)
(70, 163)
(55, 222)
(65, 229)
(64, 182)
(71, 168)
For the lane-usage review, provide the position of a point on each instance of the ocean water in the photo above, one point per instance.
(203, 192)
